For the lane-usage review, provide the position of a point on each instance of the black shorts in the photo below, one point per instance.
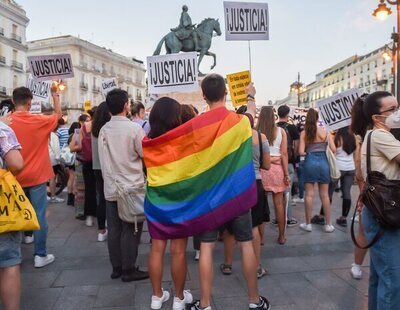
(258, 211)
(240, 227)
(72, 167)
(56, 168)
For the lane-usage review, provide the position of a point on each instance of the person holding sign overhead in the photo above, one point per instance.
(33, 133)
(314, 141)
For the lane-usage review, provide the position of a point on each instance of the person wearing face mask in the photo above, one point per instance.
(379, 113)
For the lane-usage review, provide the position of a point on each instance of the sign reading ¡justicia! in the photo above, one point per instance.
(246, 21)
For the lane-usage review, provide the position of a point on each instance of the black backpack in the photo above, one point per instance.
(290, 147)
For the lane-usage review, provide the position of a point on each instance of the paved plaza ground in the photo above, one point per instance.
(310, 272)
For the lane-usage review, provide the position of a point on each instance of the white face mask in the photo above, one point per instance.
(393, 120)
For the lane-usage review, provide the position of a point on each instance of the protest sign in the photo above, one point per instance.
(335, 111)
(41, 90)
(51, 67)
(237, 83)
(87, 105)
(246, 21)
(172, 73)
(108, 85)
(36, 107)
(298, 115)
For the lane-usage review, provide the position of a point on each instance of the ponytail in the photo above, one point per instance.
(310, 128)
(363, 109)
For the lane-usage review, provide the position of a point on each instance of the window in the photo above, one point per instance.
(348, 74)
(15, 81)
(348, 85)
(361, 70)
(368, 67)
(376, 63)
(83, 78)
(94, 82)
(14, 29)
(383, 61)
(15, 55)
(355, 72)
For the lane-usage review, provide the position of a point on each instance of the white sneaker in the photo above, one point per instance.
(298, 200)
(356, 271)
(56, 200)
(329, 228)
(89, 221)
(180, 304)
(29, 239)
(197, 255)
(157, 302)
(102, 237)
(306, 227)
(48, 198)
(43, 261)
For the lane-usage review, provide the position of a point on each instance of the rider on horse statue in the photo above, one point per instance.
(186, 29)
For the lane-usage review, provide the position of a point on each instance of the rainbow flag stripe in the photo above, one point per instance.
(199, 175)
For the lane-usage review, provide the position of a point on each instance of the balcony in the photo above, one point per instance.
(1, 31)
(16, 37)
(96, 89)
(17, 65)
(2, 60)
(84, 86)
(3, 90)
(383, 81)
(83, 65)
(367, 83)
(360, 85)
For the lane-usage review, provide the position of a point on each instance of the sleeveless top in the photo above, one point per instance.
(275, 147)
(344, 161)
(316, 147)
(86, 153)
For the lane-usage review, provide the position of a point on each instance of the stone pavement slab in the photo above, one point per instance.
(310, 272)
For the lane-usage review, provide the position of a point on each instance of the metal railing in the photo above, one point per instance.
(96, 89)
(2, 60)
(1, 31)
(84, 86)
(16, 37)
(3, 90)
(17, 65)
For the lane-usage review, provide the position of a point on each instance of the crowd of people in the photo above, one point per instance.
(103, 156)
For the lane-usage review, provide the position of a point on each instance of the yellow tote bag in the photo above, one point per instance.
(16, 211)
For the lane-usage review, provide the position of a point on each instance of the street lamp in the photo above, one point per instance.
(297, 87)
(382, 12)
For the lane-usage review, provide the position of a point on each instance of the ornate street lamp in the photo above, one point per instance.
(382, 12)
(297, 87)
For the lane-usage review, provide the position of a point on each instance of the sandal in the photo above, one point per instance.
(281, 242)
(261, 272)
(226, 269)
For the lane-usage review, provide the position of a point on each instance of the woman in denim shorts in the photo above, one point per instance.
(314, 141)
(10, 242)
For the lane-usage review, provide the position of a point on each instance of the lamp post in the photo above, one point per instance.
(297, 87)
(382, 12)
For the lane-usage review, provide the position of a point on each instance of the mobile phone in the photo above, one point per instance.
(76, 133)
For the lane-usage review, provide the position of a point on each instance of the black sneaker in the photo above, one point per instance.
(318, 219)
(292, 223)
(263, 304)
(116, 273)
(274, 222)
(341, 222)
(196, 306)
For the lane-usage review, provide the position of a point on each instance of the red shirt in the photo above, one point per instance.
(33, 133)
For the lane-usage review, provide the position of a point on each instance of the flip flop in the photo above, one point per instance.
(226, 269)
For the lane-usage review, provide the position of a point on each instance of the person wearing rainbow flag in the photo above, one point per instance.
(200, 176)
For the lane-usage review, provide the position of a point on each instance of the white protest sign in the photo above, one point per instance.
(41, 90)
(246, 21)
(36, 107)
(335, 111)
(51, 67)
(108, 85)
(172, 73)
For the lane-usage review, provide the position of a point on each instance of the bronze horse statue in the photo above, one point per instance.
(204, 31)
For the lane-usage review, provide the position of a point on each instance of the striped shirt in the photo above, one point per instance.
(63, 136)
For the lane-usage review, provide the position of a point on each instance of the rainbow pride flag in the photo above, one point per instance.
(200, 175)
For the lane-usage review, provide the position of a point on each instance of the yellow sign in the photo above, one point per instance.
(237, 83)
(87, 105)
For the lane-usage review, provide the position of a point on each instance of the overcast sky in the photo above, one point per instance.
(305, 35)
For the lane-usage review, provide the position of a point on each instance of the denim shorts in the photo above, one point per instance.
(10, 249)
(240, 227)
(316, 168)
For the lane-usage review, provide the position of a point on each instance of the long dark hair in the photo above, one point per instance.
(363, 109)
(101, 117)
(164, 116)
(345, 138)
(266, 124)
(310, 128)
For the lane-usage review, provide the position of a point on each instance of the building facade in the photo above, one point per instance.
(368, 73)
(13, 48)
(92, 64)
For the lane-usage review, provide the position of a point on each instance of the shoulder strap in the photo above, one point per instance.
(369, 153)
(261, 148)
(144, 124)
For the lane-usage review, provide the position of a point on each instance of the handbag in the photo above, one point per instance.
(130, 200)
(16, 211)
(66, 156)
(334, 171)
(382, 198)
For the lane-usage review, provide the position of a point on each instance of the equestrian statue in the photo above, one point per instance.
(191, 38)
